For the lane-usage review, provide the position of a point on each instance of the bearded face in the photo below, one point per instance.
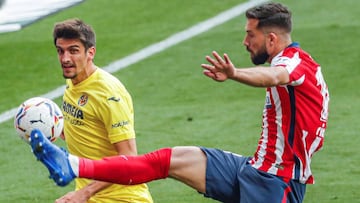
(260, 57)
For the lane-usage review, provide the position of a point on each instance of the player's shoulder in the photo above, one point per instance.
(103, 74)
(291, 51)
(290, 55)
(106, 80)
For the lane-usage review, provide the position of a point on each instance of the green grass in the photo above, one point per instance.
(169, 88)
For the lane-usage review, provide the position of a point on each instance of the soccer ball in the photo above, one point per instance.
(39, 113)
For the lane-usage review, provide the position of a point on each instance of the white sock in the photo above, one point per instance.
(74, 163)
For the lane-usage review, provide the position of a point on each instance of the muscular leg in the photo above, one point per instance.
(188, 165)
(185, 164)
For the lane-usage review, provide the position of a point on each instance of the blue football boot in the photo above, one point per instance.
(54, 158)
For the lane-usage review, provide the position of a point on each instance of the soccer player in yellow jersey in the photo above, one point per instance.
(98, 112)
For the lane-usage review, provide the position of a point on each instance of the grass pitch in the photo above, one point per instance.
(174, 103)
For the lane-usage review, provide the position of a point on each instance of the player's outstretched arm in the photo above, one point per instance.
(221, 69)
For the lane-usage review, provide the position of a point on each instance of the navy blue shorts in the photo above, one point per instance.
(231, 179)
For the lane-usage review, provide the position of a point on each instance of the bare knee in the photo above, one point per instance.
(188, 165)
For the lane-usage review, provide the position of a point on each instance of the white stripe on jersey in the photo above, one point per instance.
(262, 148)
(280, 142)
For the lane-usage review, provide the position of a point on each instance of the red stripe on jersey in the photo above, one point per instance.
(294, 118)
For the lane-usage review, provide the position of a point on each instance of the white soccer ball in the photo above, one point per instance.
(39, 113)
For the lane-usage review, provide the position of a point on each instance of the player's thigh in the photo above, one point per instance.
(222, 174)
(188, 165)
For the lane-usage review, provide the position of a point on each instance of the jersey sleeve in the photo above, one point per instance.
(118, 116)
(293, 66)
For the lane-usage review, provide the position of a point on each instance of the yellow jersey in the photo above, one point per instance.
(99, 112)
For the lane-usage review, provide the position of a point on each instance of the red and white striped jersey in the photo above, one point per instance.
(294, 118)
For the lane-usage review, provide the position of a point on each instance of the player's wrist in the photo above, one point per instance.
(87, 192)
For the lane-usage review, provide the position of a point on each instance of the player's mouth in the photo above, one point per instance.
(248, 49)
(250, 52)
(66, 66)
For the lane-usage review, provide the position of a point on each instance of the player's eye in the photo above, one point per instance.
(74, 51)
(250, 35)
(59, 51)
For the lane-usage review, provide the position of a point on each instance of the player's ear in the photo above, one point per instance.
(91, 52)
(272, 38)
(271, 42)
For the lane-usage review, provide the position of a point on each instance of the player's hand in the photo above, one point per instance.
(73, 197)
(219, 69)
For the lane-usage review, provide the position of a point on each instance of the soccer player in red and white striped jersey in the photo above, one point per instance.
(294, 118)
(294, 121)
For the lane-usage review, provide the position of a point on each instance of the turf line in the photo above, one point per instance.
(157, 47)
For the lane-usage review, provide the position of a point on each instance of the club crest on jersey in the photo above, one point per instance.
(83, 100)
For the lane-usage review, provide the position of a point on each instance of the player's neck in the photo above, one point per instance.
(88, 71)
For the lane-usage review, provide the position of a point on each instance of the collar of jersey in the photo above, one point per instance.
(294, 44)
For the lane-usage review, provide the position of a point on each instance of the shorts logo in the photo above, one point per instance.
(83, 100)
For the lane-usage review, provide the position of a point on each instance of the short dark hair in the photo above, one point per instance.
(271, 15)
(75, 29)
